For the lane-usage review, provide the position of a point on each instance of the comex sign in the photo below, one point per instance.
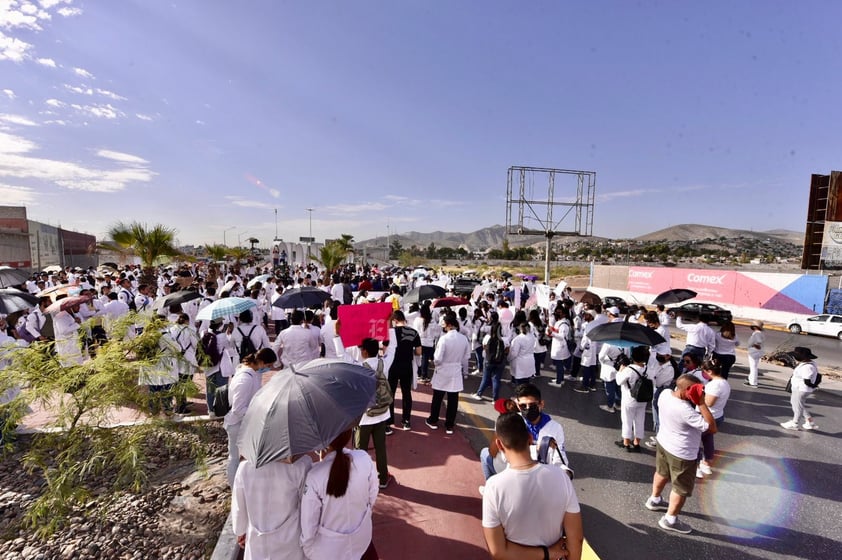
(694, 278)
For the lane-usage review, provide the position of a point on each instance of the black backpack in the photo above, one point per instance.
(643, 389)
(496, 349)
(211, 348)
(546, 448)
(221, 405)
(247, 344)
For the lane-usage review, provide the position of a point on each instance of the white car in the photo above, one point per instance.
(825, 324)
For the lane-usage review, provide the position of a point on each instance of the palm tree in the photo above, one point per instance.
(216, 253)
(148, 244)
(239, 254)
(330, 256)
(345, 244)
(253, 241)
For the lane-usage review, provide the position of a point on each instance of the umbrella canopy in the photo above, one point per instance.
(179, 297)
(303, 297)
(53, 268)
(12, 276)
(591, 298)
(224, 307)
(623, 333)
(420, 273)
(674, 296)
(505, 274)
(304, 409)
(262, 279)
(428, 291)
(450, 302)
(226, 287)
(66, 303)
(12, 300)
(60, 290)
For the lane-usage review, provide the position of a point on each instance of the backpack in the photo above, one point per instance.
(621, 361)
(23, 333)
(382, 394)
(643, 389)
(495, 349)
(129, 299)
(815, 384)
(546, 447)
(211, 348)
(247, 344)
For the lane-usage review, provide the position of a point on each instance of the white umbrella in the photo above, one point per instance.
(225, 307)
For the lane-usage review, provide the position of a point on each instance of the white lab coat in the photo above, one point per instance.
(265, 508)
(521, 358)
(334, 528)
(67, 339)
(451, 359)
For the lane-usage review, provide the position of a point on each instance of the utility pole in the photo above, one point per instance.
(276, 224)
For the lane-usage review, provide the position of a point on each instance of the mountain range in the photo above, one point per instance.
(493, 236)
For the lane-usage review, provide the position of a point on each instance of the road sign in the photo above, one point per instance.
(307, 239)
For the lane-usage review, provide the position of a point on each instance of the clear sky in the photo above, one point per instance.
(208, 115)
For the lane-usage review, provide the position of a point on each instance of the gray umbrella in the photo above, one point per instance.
(303, 409)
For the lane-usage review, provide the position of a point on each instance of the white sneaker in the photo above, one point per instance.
(654, 505)
(555, 384)
(705, 468)
(606, 408)
(481, 490)
(809, 426)
(699, 473)
(476, 397)
(789, 425)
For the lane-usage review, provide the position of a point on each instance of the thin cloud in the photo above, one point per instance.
(143, 117)
(46, 62)
(245, 203)
(69, 12)
(354, 208)
(18, 196)
(83, 73)
(122, 157)
(12, 48)
(9, 93)
(55, 103)
(79, 90)
(111, 95)
(17, 161)
(106, 111)
(634, 193)
(17, 119)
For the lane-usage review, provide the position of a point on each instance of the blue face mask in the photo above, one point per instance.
(263, 370)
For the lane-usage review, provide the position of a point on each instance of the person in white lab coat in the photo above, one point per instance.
(451, 360)
(336, 504)
(265, 508)
(66, 326)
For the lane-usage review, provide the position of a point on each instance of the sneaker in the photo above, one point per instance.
(593, 389)
(651, 443)
(750, 385)
(809, 426)
(475, 372)
(616, 408)
(476, 397)
(406, 425)
(606, 408)
(481, 490)
(699, 473)
(386, 484)
(654, 504)
(555, 383)
(705, 469)
(389, 431)
(678, 526)
(789, 425)
(581, 389)
(431, 425)
(448, 431)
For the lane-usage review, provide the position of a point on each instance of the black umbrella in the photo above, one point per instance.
(12, 277)
(674, 296)
(427, 291)
(304, 297)
(179, 297)
(591, 298)
(12, 300)
(623, 333)
(505, 275)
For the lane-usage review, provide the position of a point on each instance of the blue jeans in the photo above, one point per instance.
(588, 376)
(487, 463)
(707, 440)
(612, 393)
(726, 361)
(656, 420)
(478, 355)
(211, 383)
(492, 373)
(539, 361)
(560, 367)
(427, 353)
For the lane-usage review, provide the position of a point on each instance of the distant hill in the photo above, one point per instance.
(693, 232)
(493, 236)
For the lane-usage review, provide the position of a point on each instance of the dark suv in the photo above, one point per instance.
(464, 286)
(614, 301)
(694, 311)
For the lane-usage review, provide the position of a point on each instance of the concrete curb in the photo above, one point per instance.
(226, 547)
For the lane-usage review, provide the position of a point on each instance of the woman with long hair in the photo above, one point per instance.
(560, 332)
(337, 501)
(478, 330)
(539, 331)
(428, 330)
(717, 392)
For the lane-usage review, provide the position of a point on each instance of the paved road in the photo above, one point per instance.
(774, 494)
(829, 350)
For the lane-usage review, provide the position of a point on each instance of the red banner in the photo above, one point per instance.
(368, 320)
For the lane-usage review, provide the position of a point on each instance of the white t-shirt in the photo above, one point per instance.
(720, 389)
(529, 504)
(681, 426)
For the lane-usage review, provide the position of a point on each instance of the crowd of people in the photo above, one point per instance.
(327, 504)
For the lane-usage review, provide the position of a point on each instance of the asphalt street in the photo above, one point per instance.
(774, 494)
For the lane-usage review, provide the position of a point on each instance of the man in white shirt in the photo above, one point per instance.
(700, 337)
(296, 345)
(529, 508)
(373, 424)
(451, 359)
(684, 416)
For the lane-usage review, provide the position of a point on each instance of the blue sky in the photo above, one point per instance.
(206, 116)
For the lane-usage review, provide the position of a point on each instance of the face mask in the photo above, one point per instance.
(531, 413)
(263, 370)
(661, 359)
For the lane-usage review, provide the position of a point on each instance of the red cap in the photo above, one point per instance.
(500, 406)
(694, 393)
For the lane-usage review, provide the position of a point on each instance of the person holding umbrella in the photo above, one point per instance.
(242, 387)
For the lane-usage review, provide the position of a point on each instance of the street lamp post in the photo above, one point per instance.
(240, 237)
(309, 243)
(224, 242)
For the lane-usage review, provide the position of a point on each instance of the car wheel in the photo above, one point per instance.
(795, 329)
(839, 336)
